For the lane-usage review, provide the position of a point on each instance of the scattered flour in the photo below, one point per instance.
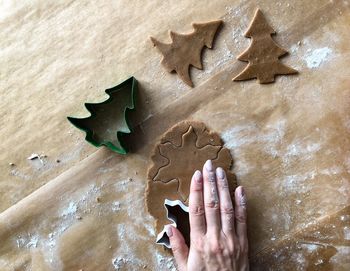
(27, 241)
(332, 171)
(298, 148)
(300, 258)
(119, 262)
(150, 230)
(165, 263)
(116, 206)
(316, 57)
(83, 200)
(295, 182)
(243, 135)
(17, 173)
(345, 218)
(347, 233)
(310, 247)
(70, 210)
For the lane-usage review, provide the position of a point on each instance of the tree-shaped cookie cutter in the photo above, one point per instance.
(177, 212)
(121, 101)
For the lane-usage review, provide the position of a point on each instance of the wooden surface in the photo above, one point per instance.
(290, 140)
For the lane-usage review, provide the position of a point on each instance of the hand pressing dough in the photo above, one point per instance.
(186, 49)
(262, 54)
(182, 150)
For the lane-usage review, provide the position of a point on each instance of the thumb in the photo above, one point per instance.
(178, 246)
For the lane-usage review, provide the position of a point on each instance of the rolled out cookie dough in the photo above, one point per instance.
(182, 150)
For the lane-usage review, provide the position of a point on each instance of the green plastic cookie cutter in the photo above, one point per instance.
(109, 120)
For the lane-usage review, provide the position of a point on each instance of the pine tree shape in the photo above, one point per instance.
(108, 123)
(263, 54)
(186, 49)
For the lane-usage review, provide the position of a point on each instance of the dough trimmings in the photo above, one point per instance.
(182, 150)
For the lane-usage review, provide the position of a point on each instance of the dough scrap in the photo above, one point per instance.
(263, 53)
(183, 149)
(186, 49)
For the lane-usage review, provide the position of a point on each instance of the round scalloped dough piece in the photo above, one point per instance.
(182, 150)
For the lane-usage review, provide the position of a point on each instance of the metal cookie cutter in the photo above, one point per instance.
(177, 212)
(109, 120)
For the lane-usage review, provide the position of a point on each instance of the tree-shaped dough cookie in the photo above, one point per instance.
(185, 49)
(263, 53)
(182, 150)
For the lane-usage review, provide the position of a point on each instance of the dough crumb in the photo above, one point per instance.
(33, 156)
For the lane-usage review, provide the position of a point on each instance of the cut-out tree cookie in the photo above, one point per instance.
(186, 49)
(182, 150)
(108, 122)
(263, 54)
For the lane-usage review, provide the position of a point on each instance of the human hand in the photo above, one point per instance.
(218, 230)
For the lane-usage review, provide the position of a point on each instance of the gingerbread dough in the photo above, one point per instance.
(186, 49)
(263, 53)
(181, 151)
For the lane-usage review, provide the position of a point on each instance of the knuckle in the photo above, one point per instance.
(237, 251)
(212, 177)
(226, 253)
(196, 187)
(233, 245)
(197, 210)
(176, 248)
(212, 204)
(223, 184)
(215, 248)
(228, 210)
(240, 217)
(197, 243)
(245, 250)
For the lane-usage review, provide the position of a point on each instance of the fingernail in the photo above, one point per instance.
(243, 199)
(197, 176)
(168, 230)
(220, 173)
(208, 165)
